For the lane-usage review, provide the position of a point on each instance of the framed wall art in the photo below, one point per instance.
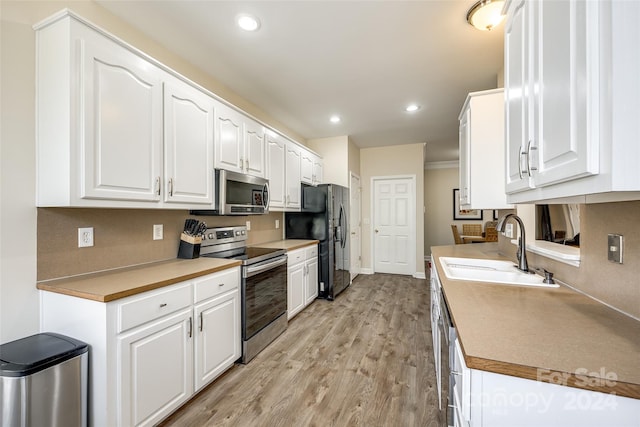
(463, 214)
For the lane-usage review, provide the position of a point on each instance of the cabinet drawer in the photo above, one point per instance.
(295, 257)
(152, 305)
(217, 283)
(311, 252)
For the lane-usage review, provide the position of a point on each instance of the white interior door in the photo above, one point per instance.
(354, 221)
(394, 225)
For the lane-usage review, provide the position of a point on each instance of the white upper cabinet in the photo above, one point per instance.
(306, 167)
(229, 139)
(570, 67)
(482, 151)
(517, 93)
(188, 147)
(240, 143)
(113, 128)
(255, 159)
(318, 170)
(276, 153)
(120, 127)
(292, 177)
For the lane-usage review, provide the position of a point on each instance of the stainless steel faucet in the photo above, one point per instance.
(522, 245)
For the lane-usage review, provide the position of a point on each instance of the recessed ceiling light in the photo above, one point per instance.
(248, 22)
(335, 119)
(411, 108)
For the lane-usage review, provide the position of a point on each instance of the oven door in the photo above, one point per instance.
(264, 294)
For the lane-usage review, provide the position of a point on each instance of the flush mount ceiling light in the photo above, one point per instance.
(248, 22)
(334, 119)
(412, 108)
(486, 14)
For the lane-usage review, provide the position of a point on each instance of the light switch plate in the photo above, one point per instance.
(248, 224)
(615, 247)
(158, 231)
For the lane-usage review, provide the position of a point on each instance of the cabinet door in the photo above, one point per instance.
(306, 167)
(121, 131)
(254, 148)
(276, 150)
(563, 147)
(229, 145)
(295, 289)
(155, 364)
(293, 189)
(217, 344)
(464, 153)
(311, 281)
(188, 145)
(318, 171)
(517, 95)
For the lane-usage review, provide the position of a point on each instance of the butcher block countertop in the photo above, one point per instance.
(556, 335)
(114, 284)
(288, 244)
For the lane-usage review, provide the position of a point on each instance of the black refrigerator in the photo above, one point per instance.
(325, 217)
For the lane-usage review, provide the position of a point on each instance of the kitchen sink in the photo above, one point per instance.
(492, 271)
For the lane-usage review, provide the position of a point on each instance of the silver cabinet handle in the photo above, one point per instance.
(158, 185)
(163, 305)
(170, 187)
(522, 153)
(530, 148)
(242, 164)
(246, 163)
(190, 327)
(201, 321)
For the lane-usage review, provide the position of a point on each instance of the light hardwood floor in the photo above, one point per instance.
(365, 359)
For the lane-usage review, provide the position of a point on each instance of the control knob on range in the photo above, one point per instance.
(210, 236)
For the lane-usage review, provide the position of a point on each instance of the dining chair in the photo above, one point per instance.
(491, 234)
(456, 235)
(472, 229)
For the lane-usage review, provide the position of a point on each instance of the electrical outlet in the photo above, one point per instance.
(248, 225)
(615, 246)
(277, 224)
(85, 237)
(158, 231)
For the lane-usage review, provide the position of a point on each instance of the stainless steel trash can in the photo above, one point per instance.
(43, 381)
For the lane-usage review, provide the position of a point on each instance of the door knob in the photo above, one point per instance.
(353, 233)
(376, 230)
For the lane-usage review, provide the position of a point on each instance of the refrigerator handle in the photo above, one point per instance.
(340, 226)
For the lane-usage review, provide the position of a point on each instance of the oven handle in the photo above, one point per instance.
(252, 271)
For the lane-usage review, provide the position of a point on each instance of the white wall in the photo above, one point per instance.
(19, 305)
(389, 161)
(438, 199)
(335, 156)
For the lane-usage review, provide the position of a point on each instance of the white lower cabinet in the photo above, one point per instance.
(155, 369)
(487, 399)
(150, 352)
(302, 279)
(216, 348)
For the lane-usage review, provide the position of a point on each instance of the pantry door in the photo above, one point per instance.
(394, 213)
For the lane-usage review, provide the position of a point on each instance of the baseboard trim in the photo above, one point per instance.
(419, 275)
(366, 271)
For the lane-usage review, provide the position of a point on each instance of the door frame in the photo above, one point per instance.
(372, 247)
(352, 226)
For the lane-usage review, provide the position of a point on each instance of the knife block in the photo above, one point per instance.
(189, 246)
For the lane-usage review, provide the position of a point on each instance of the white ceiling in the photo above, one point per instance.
(362, 60)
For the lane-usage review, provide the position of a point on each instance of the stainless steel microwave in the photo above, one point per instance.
(238, 194)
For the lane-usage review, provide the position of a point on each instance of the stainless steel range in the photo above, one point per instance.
(264, 286)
